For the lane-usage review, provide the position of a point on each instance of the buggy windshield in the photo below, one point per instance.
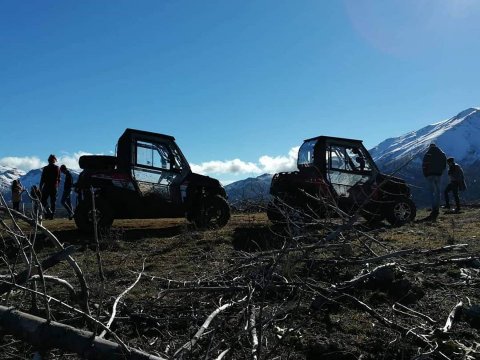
(306, 154)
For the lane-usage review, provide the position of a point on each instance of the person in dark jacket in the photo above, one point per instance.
(67, 189)
(49, 185)
(17, 190)
(457, 182)
(433, 166)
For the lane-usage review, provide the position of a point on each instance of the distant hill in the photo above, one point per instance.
(253, 189)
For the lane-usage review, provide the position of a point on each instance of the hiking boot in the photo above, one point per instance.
(433, 215)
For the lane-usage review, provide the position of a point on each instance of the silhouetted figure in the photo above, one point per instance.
(17, 190)
(48, 186)
(433, 165)
(457, 183)
(67, 189)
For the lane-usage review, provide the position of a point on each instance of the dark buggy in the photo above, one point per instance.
(337, 173)
(148, 178)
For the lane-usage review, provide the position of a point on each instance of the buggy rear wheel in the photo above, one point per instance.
(402, 211)
(84, 215)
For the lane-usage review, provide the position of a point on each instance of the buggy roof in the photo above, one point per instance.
(325, 138)
(129, 132)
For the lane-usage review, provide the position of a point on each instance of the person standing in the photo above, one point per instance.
(457, 182)
(433, 165)
(48, 186)
(17, 190)
(67, 189)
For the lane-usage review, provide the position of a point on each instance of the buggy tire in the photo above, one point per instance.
(84, 215)
(213, 212)
(401, 211)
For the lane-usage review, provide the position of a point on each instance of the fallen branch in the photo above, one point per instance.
(114, 309)
(253, 332)
(222, 354)
(386, 270)
(451, 317)
(412, 312)
(464, 260)
(375, 314)
(190, 344)
(75, 310)
(47, 335)
(58, 281)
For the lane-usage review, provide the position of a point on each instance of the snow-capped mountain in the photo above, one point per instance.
(458, 137)
(27, 180)
(7, 175)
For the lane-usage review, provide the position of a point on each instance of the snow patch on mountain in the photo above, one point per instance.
(458, 137)
(7, 175)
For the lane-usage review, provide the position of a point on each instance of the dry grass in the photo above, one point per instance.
(173, 250)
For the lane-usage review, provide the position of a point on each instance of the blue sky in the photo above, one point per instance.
(238, 83)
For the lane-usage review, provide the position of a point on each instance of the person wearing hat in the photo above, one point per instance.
(17, 190)
(457, 182)
(48, 186)
(67, 189)
(433, 165)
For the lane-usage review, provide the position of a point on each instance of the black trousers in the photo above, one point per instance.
(49, 193)
(453, 187)
(66, 201)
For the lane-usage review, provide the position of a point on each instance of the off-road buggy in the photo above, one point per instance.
(339, 174)
(148, 178)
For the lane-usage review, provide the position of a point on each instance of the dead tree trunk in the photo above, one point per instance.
(48, 335)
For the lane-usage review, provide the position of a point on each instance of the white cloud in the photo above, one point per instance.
(265, 164)
(235, 166)
(71, 161)
(23, 163)
(279, 163)
(27, 163)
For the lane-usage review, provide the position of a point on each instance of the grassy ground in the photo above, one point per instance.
(188, 273)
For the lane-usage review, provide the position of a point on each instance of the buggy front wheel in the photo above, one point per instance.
(213, 211)
(402, 211)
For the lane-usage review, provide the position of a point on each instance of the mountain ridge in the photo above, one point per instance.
(454, 136)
